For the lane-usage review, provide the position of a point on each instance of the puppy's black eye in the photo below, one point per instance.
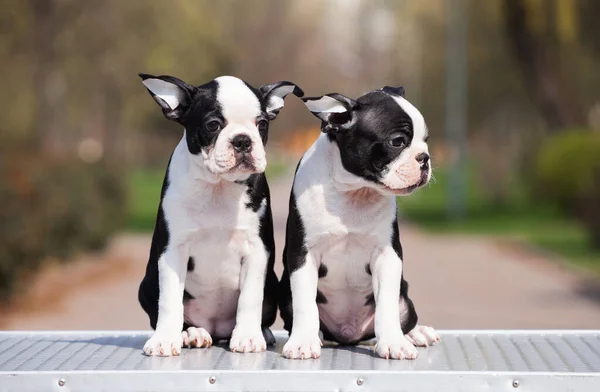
(398, 141)
(213, 126)
(263, 125)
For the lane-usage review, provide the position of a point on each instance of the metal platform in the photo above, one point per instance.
(463, 361)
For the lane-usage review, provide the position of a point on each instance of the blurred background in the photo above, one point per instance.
(507, 235)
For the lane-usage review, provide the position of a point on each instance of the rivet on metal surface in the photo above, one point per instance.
(212, 379)
(61, 382)
(516, 383)
(360, 381)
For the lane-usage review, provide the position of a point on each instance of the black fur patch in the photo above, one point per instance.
(321, 299)
(204, 107)
(368, 269)
(322, 271)
(148, 292)
(256, 191)
(370, 300)
(410, 315)
(295, 251)
(187, 296)
(261, 191)
(191, 264)
(364, 147)
(294, 257)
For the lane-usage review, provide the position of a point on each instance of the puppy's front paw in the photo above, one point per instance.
(396, 348)
(196, 337)
(302, 347)
(247, 341)
(164, 345)
(422, 336)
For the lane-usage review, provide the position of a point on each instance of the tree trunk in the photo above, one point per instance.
(540, 67)
(49, 80)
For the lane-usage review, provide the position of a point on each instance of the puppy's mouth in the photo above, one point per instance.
(409, 189)
(244, 163)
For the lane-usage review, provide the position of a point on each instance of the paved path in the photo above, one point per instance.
(455, 282)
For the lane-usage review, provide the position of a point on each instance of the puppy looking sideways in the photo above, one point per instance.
(342, 258)
(212, 254)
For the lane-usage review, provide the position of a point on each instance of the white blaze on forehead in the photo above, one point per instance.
(419, 127)
(238, 103)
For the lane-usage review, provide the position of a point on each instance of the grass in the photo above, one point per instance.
(144, 194)
(523, 218)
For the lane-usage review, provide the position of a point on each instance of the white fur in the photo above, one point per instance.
(325, 105)
(196, 337)
(348, 223)
(168, 92)
(304, 340)
(241, 109)
(208, 219)
(386, 268)
(275, 101)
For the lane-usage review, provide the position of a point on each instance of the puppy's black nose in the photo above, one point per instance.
(423, 159)
(242, 143)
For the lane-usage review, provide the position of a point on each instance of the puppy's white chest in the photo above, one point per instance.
(217, 227)
(346, 287)
(219, 208)
(213, 280)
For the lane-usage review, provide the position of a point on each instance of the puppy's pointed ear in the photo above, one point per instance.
(335, 110)
(397, 91)
(275, 93)
(172, 95)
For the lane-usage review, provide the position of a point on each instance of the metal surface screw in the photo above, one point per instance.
(212, 379)
(360, 381)
(61, 382)
(516, 383)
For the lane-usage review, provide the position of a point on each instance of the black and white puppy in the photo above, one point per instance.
(342, 257)
(212, 255)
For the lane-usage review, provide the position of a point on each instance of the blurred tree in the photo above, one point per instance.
(534, 36)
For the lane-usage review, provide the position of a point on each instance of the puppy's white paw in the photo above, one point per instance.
(423, 336)
(302, 347)
(396, 348)
(164, 345)
(247, 341)
(196, 337)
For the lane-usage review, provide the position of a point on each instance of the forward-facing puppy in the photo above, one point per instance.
(212, 255)
(343, 258)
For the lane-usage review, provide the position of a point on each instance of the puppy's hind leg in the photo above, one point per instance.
(196, 337)
(423, 336)
(419, 335)
(269, 337)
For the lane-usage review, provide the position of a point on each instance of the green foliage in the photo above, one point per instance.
(144, 195)
(568, 166)
(568, 171)
(524, 217)
(50, 209)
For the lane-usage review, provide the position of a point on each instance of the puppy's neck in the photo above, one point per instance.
(351, 185)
